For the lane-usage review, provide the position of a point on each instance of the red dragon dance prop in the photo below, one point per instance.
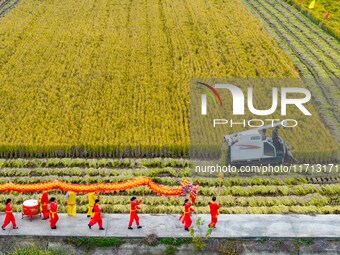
(98, 187)
(189, 188)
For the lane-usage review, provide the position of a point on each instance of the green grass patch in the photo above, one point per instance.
(89, 243)
(174, 241)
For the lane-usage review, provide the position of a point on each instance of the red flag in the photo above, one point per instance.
(327, 15)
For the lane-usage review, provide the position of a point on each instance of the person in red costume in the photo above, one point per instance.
(9, 215)
(53, 213)
(214, 206)
(44, 205)
(186, 219)
(96, 216)
(133, 212)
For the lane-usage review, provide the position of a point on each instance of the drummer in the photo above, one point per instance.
(9, 216)
(53, 213)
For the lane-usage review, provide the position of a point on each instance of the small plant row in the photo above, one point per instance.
(298, 190)
(334, 200)
(205, 186)
(241, 191)
(224, 201)
(165, 176)
(76, 171)
(168, 172)
(308, 170)
(93, 163)
(109, 167)
(86, 180)
(252, 181)
(322, 179)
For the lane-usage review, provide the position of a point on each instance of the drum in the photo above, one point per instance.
(30, 208)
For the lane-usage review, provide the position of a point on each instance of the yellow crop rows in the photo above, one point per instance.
(318, 14)
(112, 78)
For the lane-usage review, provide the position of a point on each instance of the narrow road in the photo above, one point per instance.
(168, 225)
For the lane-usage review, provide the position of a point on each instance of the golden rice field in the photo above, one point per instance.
(111, 78)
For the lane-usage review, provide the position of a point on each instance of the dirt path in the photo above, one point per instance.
(315, 53)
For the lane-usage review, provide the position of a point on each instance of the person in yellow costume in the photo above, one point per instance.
(71, 203)
(92, 198)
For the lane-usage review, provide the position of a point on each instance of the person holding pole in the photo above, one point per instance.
(186, 219)
(71, 203)
(44, 205)
(214, 207)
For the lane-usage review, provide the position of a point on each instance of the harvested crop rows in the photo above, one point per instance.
(318, 14)
(315, 53)
(111, 78)
(237, 194)
(7, 5)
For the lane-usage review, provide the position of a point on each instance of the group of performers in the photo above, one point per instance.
(95, 212)
(49, 210)
(188, 209)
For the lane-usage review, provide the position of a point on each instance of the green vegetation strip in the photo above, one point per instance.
(93, 163)
(89, 243)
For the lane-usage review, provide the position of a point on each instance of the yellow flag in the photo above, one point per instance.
(312, 4)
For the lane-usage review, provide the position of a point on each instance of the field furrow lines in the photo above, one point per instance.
(301, 49)
(311, 30)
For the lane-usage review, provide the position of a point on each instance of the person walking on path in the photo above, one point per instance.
(97, 218)
(133, 212)
(71, 203)
(44, 205)
(186, 219)
(9, 215)
(53, 213)
(214, 206)
(92, 198)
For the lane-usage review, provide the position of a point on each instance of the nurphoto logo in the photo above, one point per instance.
(238, 103)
